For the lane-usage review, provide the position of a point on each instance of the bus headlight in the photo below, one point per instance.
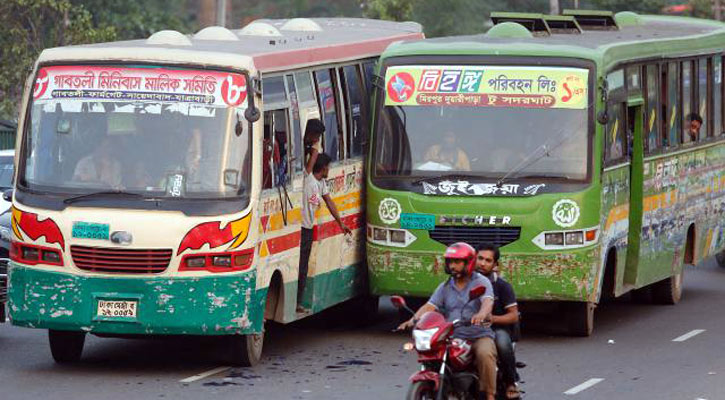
(390, 236)
(560, 240)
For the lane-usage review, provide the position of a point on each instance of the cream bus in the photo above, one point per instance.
(158, 187)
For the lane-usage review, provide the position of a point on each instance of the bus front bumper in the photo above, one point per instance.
(216, 305)
(573, 275)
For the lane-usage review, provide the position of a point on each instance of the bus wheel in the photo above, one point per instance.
(580, 318)
(66, 346)
(720, 258)
(245, 350)
(668, 291)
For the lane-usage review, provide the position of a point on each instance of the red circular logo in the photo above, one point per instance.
(401, 86)
(41, 84)
(234, 90)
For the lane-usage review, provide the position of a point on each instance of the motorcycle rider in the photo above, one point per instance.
(451, 299)
(505, 314)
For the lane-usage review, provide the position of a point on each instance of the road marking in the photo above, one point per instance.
(688, 335)
(204, 374)
(584, 386)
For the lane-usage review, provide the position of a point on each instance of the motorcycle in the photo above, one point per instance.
(447, 364)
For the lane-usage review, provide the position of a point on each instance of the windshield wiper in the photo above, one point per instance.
(120, 193)
(534, 176)
(444, 177)
(532, 157)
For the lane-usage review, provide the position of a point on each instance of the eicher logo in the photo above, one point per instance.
(41, 84)
(234, 90)
(565, 213)
(400, 87)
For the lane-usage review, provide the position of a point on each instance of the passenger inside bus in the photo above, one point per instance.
(101, 166)
(446, 156)
(694, 125)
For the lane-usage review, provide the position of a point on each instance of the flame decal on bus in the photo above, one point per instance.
(211, 233)
(34, 228)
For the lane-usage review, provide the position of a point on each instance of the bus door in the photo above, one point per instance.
(635, 125)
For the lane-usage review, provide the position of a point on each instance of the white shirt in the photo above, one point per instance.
(312, 193)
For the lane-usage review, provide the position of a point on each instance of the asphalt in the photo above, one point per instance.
(631, 355)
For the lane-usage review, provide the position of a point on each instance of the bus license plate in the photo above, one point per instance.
(117, 308)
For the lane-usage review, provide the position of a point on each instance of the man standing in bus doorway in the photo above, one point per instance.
(313, 193)
(504, 316)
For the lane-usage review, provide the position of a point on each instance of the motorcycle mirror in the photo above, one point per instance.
(476, 292)
(398, 301)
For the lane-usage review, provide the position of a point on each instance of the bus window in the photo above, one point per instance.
(275, 168)
(296, 134)
(328, 113)
(673, 110)
(368, 75)
(305, 92)
(652, 116)
(614, 143)
(355, 111)
(273, 91)
(717, 96)
(686, 100)
(703, 79)
(634, 79)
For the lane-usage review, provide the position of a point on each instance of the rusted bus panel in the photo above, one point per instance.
(195, 305)
(571, 276)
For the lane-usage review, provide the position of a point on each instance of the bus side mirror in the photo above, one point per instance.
(8, 195)
(252, 113)
(603, 117)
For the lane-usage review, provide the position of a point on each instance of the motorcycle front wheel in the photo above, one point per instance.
(423, 390)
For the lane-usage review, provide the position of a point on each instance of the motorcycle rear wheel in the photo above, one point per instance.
(423, 390)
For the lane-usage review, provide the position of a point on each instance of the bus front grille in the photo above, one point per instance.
(497, 235)
(121, 261)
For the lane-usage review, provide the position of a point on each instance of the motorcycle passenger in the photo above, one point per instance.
(504, 317)
(451, 299)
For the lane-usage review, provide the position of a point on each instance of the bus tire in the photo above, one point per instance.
(66, 346)
(245, 350)
(720, 258)
(668, 291)
(580, 318)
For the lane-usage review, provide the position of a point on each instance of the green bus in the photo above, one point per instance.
(589, 146)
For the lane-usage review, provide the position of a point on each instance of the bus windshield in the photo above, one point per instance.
(489, 134)
(154, 141)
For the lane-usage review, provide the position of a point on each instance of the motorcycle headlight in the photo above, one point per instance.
(422, 338)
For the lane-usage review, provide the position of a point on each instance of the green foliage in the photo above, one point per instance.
(641, 6)
(135, 19)
(29, 26)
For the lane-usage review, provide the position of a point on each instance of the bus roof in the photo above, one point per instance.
(263, 45)
(637, 37)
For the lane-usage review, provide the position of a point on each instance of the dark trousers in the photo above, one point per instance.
(506, 356)
(305, 249)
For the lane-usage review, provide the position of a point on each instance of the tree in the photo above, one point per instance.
(29, 26)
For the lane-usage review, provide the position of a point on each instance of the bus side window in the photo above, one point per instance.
(273, 91)
(296, 129)
(356, 110)
(368, 75)
(652, 108)
(687, 95)
(717, 96)
(703, 86)
(275, 157)
(673, 104)
(614, 142)
(329, 114)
